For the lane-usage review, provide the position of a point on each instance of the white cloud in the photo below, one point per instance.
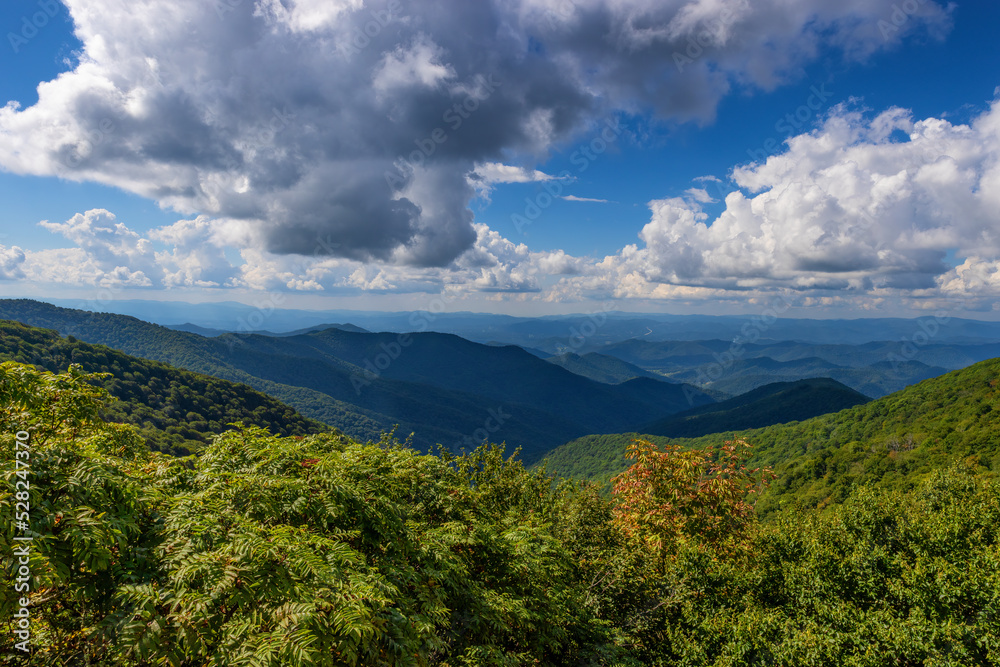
(973, 285)
(485, 176)
(306, 15)
(419, 65)
(197, 258)
(495, 172)
(585, 199)
(559, 263)
(116, 254)
(291, 117)
(842, 208)
(11, 260)
(699, 195)
(369, 278)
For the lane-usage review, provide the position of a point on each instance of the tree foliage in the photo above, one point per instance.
(91, 529)
(883, 579)
(670, 496)
(277, 550)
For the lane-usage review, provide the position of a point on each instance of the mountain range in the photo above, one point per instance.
(557, 334)
(775, 403)
(441, 388)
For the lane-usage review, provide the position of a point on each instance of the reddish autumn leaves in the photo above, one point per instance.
(672, 496)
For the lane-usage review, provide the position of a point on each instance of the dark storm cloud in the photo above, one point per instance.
(360, 121)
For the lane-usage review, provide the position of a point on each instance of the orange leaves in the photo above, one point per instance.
(672, 495)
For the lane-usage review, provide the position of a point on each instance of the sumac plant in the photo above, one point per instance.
(671, 496)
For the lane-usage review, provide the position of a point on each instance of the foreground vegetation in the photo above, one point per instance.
(320, 550)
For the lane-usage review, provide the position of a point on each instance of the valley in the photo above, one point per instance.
(440, 389)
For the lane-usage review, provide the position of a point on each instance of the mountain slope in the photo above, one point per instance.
(893, 442)
(874, 369)
(175, 410)
(601, 367)
(776, 403)
(442, 388)
(507, 374)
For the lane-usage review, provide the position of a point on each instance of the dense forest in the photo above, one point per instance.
(775, 403)
(263, 549)
(175, 411)
(894, 442)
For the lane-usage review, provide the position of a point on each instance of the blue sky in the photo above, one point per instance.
(247, 149)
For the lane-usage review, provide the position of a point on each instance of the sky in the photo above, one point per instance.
(520, 156)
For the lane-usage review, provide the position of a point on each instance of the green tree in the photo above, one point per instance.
(89, 526)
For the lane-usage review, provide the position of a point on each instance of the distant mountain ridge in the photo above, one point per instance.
(552, 333)
(874, 369)
(442, 388)
(505, 374)
(601, 367)
(875, 356)
(776, 403)
(211, 333)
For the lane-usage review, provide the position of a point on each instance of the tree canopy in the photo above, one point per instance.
(302, 550)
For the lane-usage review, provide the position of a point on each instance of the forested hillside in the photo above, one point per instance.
(440, 388)
(321, 551)
(176, 411)
(776, 403)
(893, 442)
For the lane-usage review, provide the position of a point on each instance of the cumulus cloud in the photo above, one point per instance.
(107, 253)
(109, 248)
(361, 121)
(856, 203)
(11, 260)
(972, 285)
(196, 257)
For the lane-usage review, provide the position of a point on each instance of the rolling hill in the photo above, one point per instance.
(776, 403)
(893, 442)
(444, 389)
(175, 410)
(601, 367)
